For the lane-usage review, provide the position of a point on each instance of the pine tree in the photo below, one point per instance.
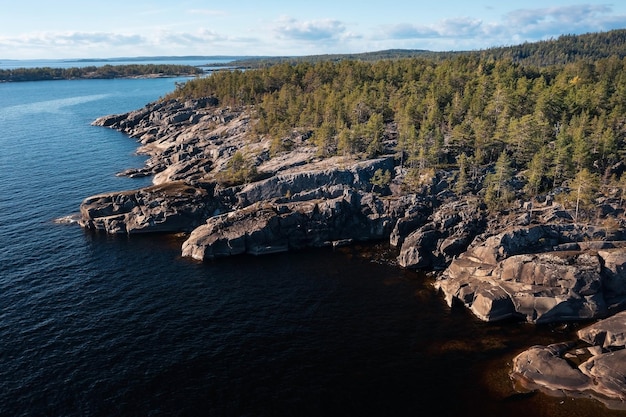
(536, 172)
(380, 178)
(324, 139)
(498, 192)
(562, 159)
(583, 189)
(461, 181)
(375, 128)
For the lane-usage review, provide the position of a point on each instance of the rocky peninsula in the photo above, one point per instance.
(232, 194)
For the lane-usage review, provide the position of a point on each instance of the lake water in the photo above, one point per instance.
(95, 325)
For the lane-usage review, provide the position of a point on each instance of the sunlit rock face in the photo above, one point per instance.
(522, 274)
(594, 366)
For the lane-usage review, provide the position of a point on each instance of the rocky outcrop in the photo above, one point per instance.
(270, 227)
(273, 226)
(445, 235)
(594, 366)
(173, 207)
(191, 144)
(300, 185)
(542, 273)
(185, 141)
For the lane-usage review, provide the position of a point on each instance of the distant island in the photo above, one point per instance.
(99, 72)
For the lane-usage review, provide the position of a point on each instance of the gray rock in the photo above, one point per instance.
(502, 277)
(614, 271)
(355, 177)
(544, 367)
(172, 207)
(608, 333)
(601, 373)
(271, 226)
(446, 234)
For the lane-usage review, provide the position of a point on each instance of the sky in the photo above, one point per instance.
(65, 29)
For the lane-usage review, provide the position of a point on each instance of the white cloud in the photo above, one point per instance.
(184, 39)
(315, 30)
(100, 44)
(212, 34)
(73, 39)
(553, 21)
(514, 27)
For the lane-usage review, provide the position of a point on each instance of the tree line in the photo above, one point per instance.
(561, 50)
(549, 123)
(96, 72)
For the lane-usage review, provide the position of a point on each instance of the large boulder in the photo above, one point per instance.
(273, 226)
(170, 207)
(445, 235)
(355, 177)
(522, 274)
(594, 366)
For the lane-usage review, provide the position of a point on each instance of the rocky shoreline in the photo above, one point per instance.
(233, 194)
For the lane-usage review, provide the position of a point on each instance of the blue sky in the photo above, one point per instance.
(116, 28)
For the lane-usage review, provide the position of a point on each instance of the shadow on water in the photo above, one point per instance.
(315, 333)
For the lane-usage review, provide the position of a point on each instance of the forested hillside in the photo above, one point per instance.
(564, 49)
(554, 124)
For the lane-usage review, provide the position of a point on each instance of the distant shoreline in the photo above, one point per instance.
(132, 71)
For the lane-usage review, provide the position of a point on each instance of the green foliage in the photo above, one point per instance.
(381, 178)
(498, 193)
(536, 172)
(560, 51)
(418, 178)
(375, 129)
(239, 170)
(324, 139)
(584, 188)
(481, 105)
(461, 183)
(563, 50)
(280, 144)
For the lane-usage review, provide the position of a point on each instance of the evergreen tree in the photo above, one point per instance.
(562, 157)
(581, 149)
(375, 129)
(498, 192)
(536, 172)
(380, 178)
(324, 139)
(584, 188)
(461, 184)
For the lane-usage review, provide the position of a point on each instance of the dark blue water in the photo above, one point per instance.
(93, 325)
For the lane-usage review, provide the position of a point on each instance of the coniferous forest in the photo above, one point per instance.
(546, 126)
